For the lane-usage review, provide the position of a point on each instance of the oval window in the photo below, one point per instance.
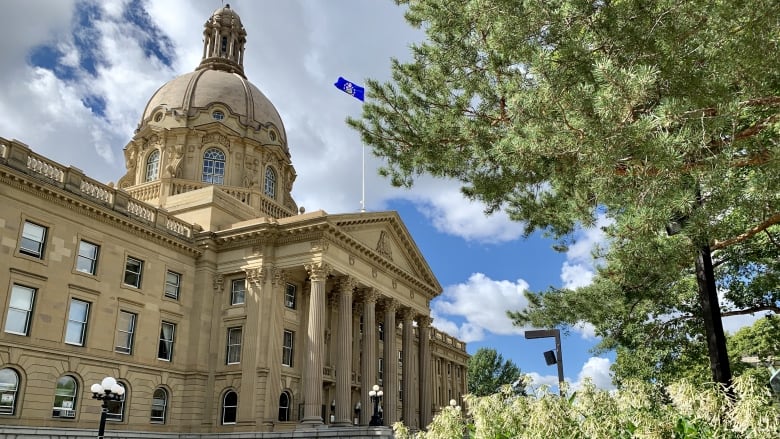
(158, 117)
(272, 135)
(218, 115)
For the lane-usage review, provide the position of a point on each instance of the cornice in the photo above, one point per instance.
(43, 189)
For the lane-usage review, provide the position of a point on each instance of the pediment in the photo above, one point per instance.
(386, 235)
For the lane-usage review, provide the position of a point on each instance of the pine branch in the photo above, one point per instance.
(774, 219)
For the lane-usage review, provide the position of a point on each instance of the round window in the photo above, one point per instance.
(218, 115)
(158, 117)
(272, 135)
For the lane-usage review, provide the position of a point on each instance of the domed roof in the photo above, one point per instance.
(194, 91)
(218, 80)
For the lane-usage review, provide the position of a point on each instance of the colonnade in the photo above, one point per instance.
(345, 288)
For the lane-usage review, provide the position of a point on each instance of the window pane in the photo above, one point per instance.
(153, 165)
(229, 405)
(159, 401)
(87, 258)
(289, 296)
(234, 346)
(9, 383)
(19, 310)
(165, 348)
(172, 282)
(133, 269)
(33, 237)
(238, 292)
(116, 409)
(65, 398)
(124, 332)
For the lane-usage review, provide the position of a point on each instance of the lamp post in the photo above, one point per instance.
(107, 390)
(549, 356)
(376, 397)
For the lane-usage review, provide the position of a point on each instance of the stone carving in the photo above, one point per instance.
(424, 321)
(216, 138)
(320, 245)
(318, 271)
(219, 280)
(278, 276)
(346, 284)
(370, 295)
(173, 169)
(255, 275)
(383, 246)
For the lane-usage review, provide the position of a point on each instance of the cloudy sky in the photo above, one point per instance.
(77, 74)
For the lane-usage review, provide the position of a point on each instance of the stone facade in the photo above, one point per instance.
(200, 286)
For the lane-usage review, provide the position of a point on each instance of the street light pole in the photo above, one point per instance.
(551, 333)
(105, 391)
(376, 397)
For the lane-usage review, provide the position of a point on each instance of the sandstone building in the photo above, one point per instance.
(198, 283)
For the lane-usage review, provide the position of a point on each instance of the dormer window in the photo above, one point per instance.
(218, 115)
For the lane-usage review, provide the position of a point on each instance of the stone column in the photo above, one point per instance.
(407, 345)
(424, 323)
(391, 364)
(249, 349)
(369, 353)
(274, 334)
(315, 341)
(344, 353)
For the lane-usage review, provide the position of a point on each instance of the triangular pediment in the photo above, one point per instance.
(386, 235)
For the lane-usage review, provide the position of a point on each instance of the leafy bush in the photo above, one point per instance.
(635, 411)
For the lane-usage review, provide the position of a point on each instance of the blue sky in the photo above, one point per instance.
(77, 74)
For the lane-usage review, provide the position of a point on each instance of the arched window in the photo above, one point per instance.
(116, 409)
(65, 397)
(285, 401)
(229, 407)
(9, 386)
(270, 182)
(159, 404)
(213, 166)
(153, 165)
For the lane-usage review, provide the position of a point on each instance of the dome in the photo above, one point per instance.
(197, 91)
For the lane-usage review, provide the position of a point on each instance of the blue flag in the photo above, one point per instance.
(350, 88)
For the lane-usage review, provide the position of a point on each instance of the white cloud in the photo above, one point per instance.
(586, 330)
(482, 303)
(595, 368)
(579, 268)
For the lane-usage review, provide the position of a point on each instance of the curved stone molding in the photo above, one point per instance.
(318, 270)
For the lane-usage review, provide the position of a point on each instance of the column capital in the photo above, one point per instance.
(346, 284)
(424, 321)
(408, 314)
(370, 295)
(255, 275)
(390, 305)
(318, 271)
(219, 281)
(278, 276)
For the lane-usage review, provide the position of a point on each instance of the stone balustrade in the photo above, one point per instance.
(18, 156)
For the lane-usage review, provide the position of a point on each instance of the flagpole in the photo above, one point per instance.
(363, 198)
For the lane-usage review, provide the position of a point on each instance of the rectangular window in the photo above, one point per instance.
(400, 359)
(165, 348)
(234, 346)
(381, 331)
(33, 240)
(237, 292)
(172, 284)
(287, 348)
(133, 269)
(125, 327)
(86, 262)
(289, 296)
(381, 370)
(19, 310)
(77, 322)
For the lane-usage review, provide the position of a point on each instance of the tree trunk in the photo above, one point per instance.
(713, 324)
